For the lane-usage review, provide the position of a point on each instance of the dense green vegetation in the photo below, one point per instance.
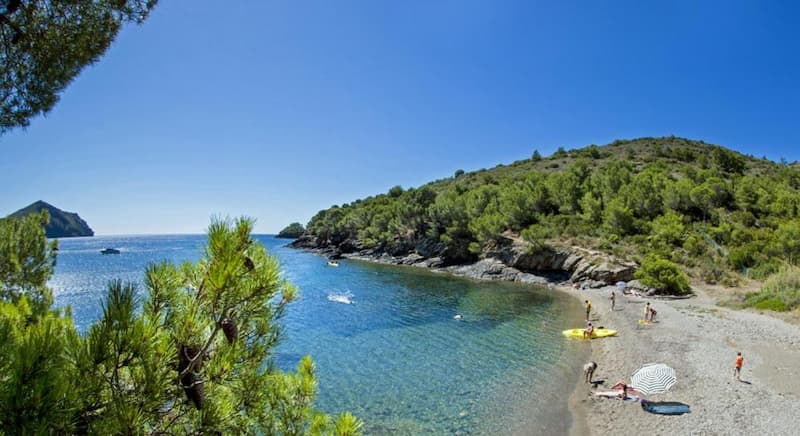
(190, 355)
(293, 230)
(44, 45)
(61, 224)
(715, 212)
(781, 291)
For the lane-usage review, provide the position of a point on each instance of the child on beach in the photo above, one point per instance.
(588, 309)
(613, 300)
(737, 368)
(588, 331)
(588, 371)
(647, 312)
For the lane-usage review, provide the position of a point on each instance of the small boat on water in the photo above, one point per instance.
(333, 263)
(110, 251)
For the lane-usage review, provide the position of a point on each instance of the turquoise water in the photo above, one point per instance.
(385, 339)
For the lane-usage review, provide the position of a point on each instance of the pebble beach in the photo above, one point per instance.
(699, 340)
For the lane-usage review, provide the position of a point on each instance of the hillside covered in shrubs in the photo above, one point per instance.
(714, 212)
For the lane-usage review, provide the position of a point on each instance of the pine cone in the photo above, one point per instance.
(230, 329)
(248, 263)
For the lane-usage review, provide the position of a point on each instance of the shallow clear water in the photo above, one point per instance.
(385, 339)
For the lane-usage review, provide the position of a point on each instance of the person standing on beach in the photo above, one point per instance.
(737, 368)
(647, 312)
(588, 371)
(588, 309)
(613, 300)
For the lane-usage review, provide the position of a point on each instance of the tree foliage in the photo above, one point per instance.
(192, 353)
(709, 209)
(293, 230)
(44, 45)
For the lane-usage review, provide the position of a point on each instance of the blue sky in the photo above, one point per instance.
(279, 109)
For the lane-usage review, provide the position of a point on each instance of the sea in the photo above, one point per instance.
(407, 350)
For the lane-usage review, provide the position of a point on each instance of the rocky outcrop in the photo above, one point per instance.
(582, 265)
(292, 231)
(61, 225)
(512, 260)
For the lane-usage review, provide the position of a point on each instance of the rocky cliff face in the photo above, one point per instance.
(581, 264)
(511, 260)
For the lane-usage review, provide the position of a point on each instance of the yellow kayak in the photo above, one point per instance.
(597, 333)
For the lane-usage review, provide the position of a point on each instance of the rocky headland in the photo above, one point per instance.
(62, 224)
(513, 260)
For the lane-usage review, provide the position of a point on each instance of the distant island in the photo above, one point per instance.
(292, 231)
(62, 224)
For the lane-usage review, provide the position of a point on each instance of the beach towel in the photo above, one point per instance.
(665, 407)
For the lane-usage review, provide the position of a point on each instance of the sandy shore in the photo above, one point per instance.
(699, 340)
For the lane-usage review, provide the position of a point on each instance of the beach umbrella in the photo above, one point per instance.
(653, 378)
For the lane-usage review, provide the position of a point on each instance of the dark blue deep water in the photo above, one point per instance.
(395, 356)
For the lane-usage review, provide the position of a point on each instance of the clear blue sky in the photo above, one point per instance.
(279, 109)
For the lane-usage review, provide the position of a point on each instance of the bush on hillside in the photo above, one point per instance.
(664, 275)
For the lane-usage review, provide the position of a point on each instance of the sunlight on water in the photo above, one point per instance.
(406, 350)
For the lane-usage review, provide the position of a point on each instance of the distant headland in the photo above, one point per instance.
(292, 231)
(62, 224)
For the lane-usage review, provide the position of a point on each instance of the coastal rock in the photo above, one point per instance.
(509, 259)
(637, 286)
(306, 241)
(292, 231)
(582, 265)
(61, 225)
(486, 269)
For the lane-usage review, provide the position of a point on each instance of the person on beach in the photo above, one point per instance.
(613, 300)
(588, 331)
(588, 309)
(588, 371)
(737, 367)
(652, 315)
(647, 312)
(623, 393)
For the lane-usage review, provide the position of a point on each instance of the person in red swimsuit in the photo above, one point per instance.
(737, 368)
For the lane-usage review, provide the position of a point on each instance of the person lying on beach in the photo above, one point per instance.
(588, 371)
(616, 395)
(630, 390)
(623, 393)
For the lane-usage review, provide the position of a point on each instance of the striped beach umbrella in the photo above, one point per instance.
(653, 378)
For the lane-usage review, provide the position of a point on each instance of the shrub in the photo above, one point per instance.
(663, 275)
(780, 292)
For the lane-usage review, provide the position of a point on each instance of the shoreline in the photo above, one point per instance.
(699, 340)
(576, 412)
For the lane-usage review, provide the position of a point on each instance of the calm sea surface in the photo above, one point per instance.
(384, 338)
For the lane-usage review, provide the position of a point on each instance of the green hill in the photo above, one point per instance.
(712, 210)
(62, 224)
(293, 230)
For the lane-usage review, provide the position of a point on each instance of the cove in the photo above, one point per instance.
(406, 350)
